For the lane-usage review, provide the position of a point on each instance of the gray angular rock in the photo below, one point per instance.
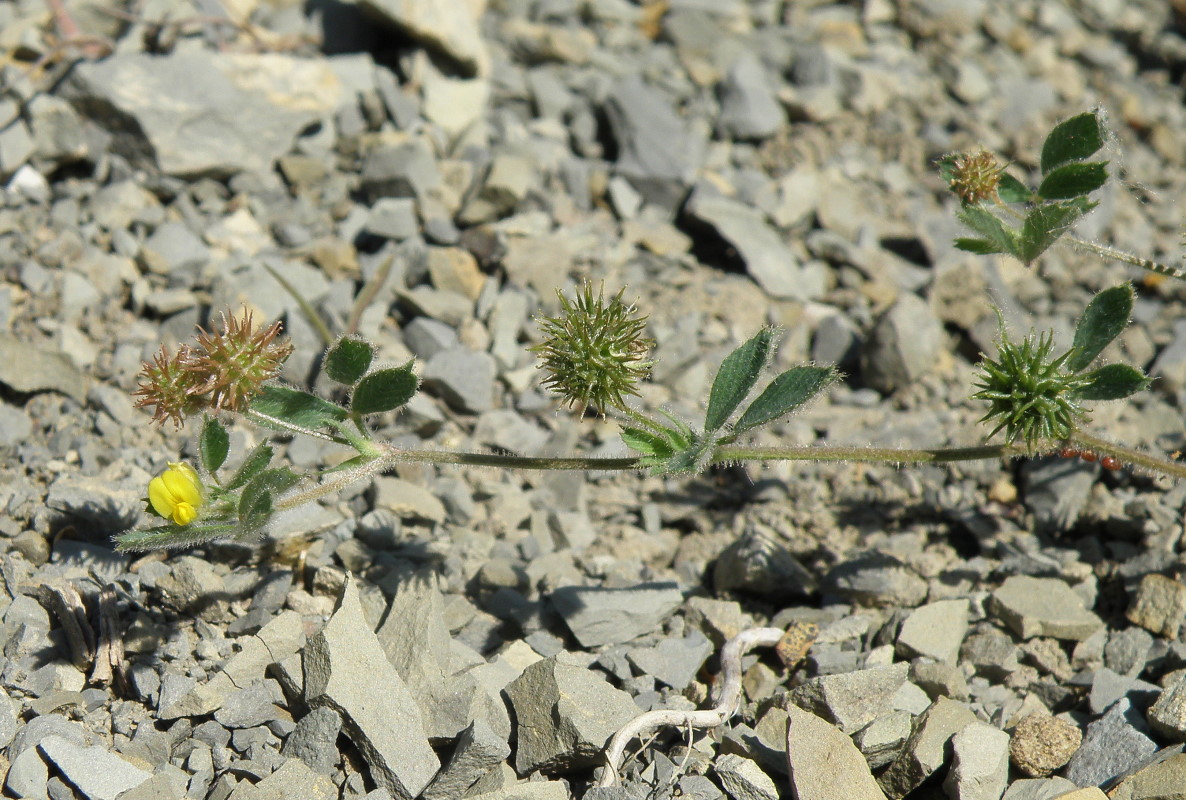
(935, 630)
(992, 653)
(479, 749)
(1158, 605)
(314, 740)
(254, 705)
(393, 218)
(877, 578)
(1107, 687)
(853, 699)
(27, 368)
(407, 170)
(1038, 789)
(824, 763)
(447, 25)
(903, 345)
(598, 616)
(925, 752)
(749, 107)
(880, 740)
(1113, 744)
(27, 776)
(1042, 607)
(979, 765)
(226, 113)
(173, 247)
(96, 772)
(655, 152)
(674, 662)
(464, 378)
(1159, 779)
(426, 337)
(1167, 716)
(743, 779)
(346, 670)
(292, 779)
(771, 264)
(416, 640)
(758, 564)
(564, 715)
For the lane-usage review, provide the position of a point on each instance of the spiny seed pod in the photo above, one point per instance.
(235, 364)
(974, 177)
(594, 351)
(223, 372)
(168, 386)
(1029, 394)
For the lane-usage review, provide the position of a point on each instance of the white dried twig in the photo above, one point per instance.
(726, 705)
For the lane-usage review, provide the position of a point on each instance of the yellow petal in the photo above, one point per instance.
(184, 514)
(183, 484)
(160, 497)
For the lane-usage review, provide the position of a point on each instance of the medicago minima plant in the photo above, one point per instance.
(594, 354)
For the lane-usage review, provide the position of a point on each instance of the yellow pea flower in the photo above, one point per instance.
(176, 493)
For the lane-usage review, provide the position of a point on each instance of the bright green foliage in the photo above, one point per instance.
(348, 360)
(1075, 139)
(1113, 382)
(1035, 397)
(1102, 321)
(676, 448)
(786, 393)
(1060, 200)
(384, 390)
(279, 407)
(255, 463)
(257, 501)
(738, 374)
(213, 444)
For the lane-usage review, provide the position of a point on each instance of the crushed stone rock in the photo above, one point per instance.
(1042, 743)
(1043, 607)
(346, 670)
(598, 616)
(824, 762)
(564, 714)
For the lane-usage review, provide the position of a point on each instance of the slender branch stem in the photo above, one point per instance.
(510, 461)
(284, 425)
(893, 455)
(1127, 258)
(336, 483)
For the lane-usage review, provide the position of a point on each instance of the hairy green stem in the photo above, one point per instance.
(1128, 455)
(890, 455)
(1127, 258)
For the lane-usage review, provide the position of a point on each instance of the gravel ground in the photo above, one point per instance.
(969, 632)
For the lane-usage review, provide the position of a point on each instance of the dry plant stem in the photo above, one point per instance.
(368, 294)
(726, 705)
(323, 332)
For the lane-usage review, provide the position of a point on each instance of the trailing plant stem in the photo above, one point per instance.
(1128, 258)
(1128, 455)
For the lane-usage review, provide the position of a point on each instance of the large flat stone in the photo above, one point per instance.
(347, 670)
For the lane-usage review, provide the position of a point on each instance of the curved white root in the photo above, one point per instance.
(726, 705)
